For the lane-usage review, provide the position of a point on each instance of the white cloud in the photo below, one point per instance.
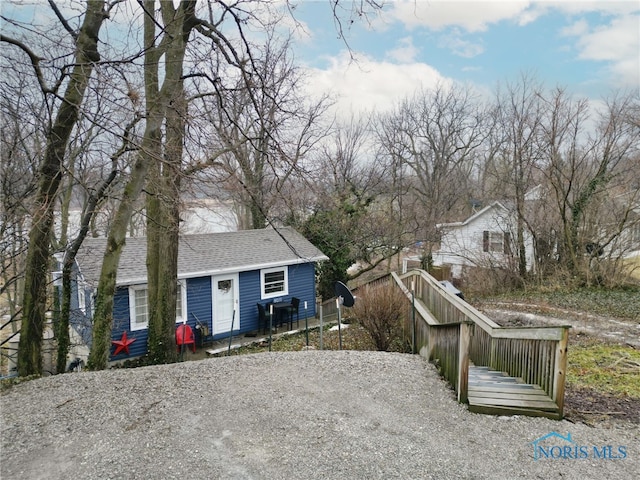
(578, 28)
(472, 16)
(458, 46)
(406, 52)
(368, 84)
(478, 15)
(610, 7)
(617, 43)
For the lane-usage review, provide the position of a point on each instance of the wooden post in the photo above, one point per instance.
(463, 361)
(559, 371)
(432, 342)
(413, 317)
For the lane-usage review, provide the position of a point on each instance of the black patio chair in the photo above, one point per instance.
(295, 309)
(264, 318)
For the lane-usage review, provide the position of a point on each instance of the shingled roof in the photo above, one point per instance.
(205, 254)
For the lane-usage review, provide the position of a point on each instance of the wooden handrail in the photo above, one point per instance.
(452, 333)
(537, 355)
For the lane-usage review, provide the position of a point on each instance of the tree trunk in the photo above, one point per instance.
(103, 315)
(62, 327)
(149, 153)
(162, 233)
(37, 265)
(163, 204)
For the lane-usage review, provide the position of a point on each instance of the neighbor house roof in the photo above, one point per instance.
(205, 254)
(473, 217)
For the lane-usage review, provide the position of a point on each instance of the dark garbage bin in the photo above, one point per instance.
(202, 335)
(198, 334)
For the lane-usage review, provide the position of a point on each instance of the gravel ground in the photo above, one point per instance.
(291, 415)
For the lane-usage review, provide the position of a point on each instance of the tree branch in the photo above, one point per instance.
(35, 60)
(63, 20)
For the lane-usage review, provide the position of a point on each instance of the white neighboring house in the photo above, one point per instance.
(485, 239)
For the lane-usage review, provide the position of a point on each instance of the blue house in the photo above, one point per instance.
(221, 278)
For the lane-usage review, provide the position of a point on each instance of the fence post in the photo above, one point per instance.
(463, 361)
(559, 371)
(413, 318)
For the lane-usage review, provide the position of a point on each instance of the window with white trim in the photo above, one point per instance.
(138, 307)
(181, 302)
(274, 282)
(82, 301)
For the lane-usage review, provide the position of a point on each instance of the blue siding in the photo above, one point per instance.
(78, 320)
(200, 305)
(75, 305)
(249, 296)
(199, 302)
(121, 324)
(301, 285)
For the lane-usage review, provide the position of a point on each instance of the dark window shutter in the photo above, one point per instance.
(507, 243)
(485, 241)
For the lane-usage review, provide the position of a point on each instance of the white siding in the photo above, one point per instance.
(462, 244)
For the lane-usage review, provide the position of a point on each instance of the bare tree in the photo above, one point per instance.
(167, 31)
(168, 28)
(435, 136)
(163, 190)
(581, 167)
(348, 217)
(260, 132)
(20, 147)
(176, 27)
(50, 176)
(518, 117)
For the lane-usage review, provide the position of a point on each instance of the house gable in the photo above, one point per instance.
(468, 237)
(483, 239)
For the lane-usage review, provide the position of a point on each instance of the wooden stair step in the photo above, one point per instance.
(514, 402)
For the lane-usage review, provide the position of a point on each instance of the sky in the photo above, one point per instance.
(590, 48)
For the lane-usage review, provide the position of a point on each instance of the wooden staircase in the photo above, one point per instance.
(496, 393)
(496, 370)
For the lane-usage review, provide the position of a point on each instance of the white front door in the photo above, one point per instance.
(225, 301)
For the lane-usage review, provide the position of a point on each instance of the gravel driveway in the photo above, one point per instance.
(293, 415)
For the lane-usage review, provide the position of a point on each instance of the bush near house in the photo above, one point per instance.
(380, 310)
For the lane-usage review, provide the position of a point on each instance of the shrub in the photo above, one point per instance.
(381, 311)
(488, 281)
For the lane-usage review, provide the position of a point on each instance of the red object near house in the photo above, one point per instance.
(122, 345)
(185, 336)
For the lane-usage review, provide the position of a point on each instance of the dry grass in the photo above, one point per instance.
(354, 337)
(608, 368)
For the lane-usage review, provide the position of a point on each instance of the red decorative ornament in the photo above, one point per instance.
(122, 344)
